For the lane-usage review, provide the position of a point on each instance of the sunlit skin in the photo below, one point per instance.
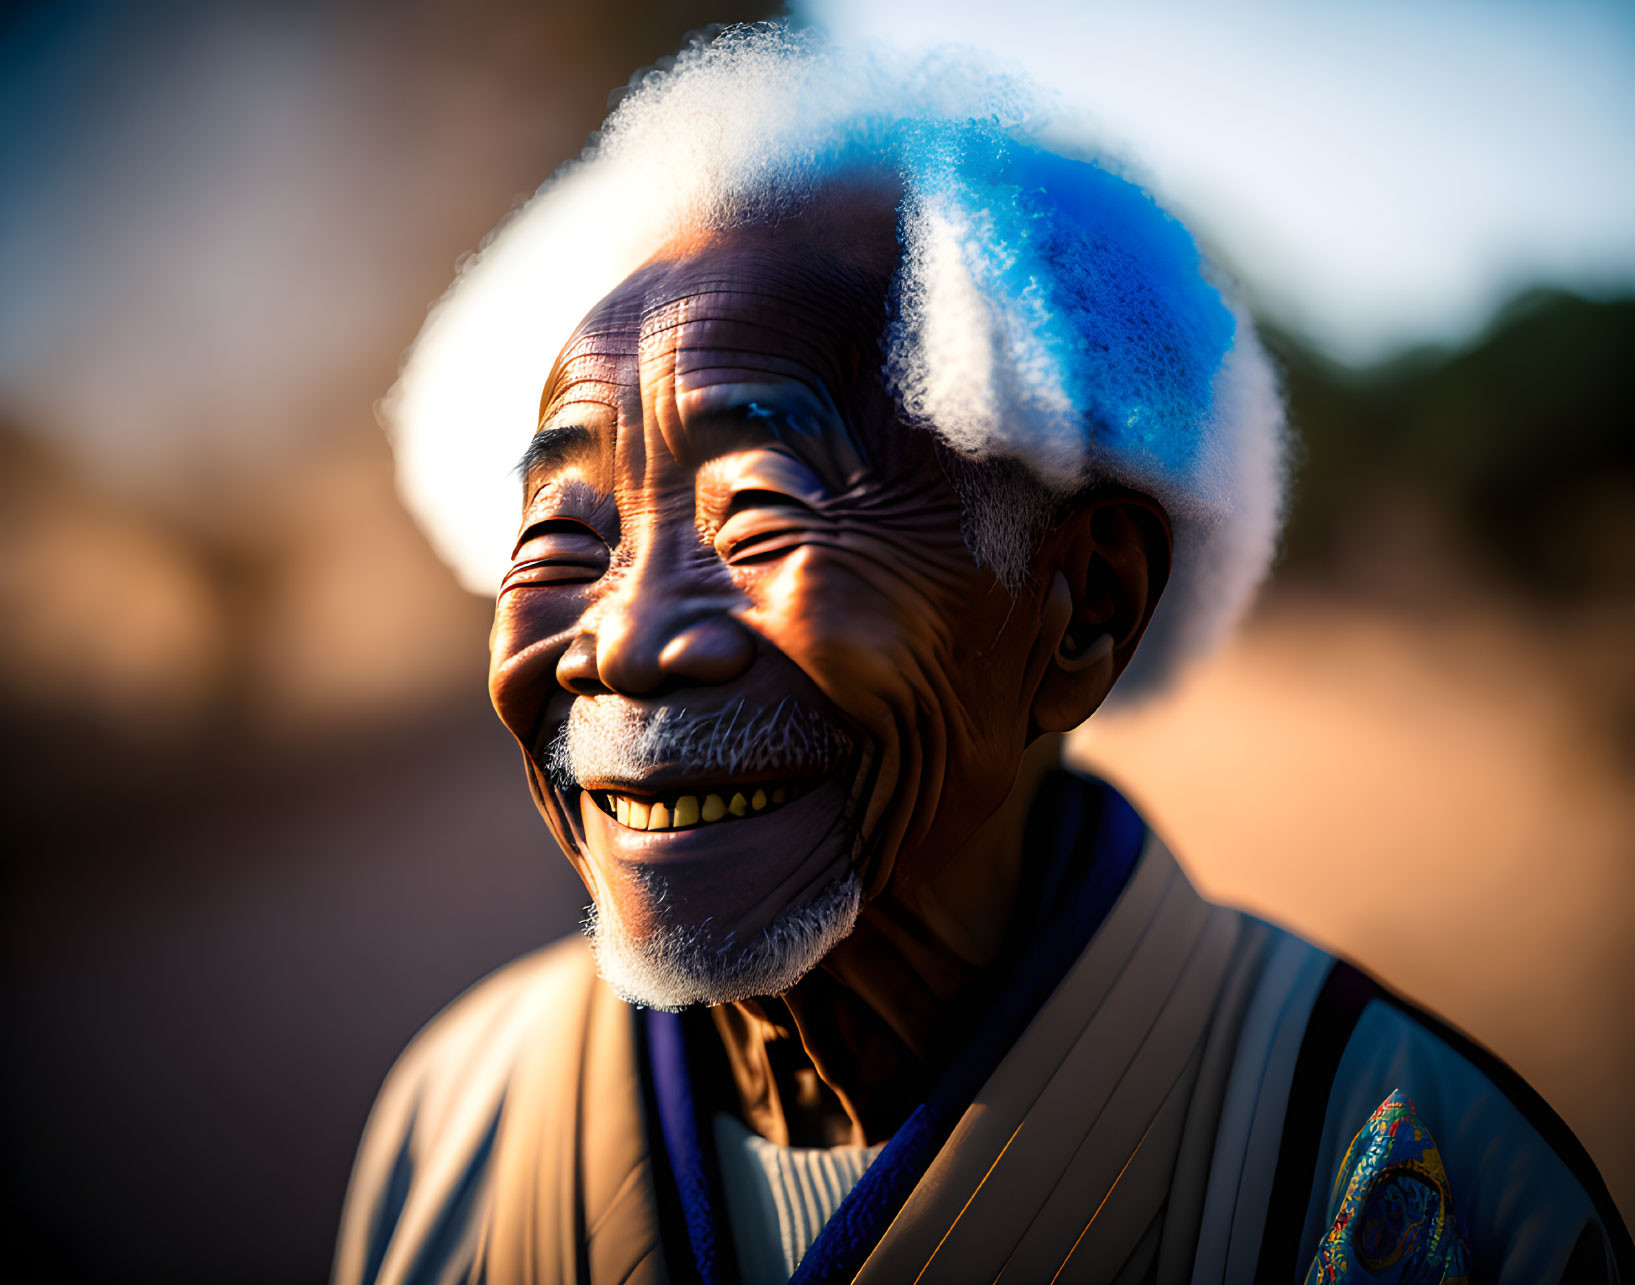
(730, 509)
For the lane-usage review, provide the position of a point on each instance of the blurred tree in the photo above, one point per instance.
(1522, 442)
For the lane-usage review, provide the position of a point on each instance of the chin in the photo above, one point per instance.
(671, 966)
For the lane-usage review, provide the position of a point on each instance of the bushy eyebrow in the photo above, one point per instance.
(550, 446)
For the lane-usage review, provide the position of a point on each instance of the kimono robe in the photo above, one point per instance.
(1155, 1089)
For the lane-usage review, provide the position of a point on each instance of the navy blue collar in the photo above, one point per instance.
(1088, 840)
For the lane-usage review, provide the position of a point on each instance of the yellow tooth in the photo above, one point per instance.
(714, 809)
(621, 809)
(638, 815)
(686, 810)
(779, 794)
(658, 818)
(738, 806)
(758, 800)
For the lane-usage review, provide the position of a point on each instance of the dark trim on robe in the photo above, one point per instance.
(697, 1242)
(1346, 992)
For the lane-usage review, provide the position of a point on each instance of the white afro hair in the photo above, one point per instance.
(1046, 311)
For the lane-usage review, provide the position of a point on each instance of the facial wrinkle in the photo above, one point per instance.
(709, 343)
(876, 603)
(827, 308)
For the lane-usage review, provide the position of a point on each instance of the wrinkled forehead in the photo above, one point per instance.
(803, 300)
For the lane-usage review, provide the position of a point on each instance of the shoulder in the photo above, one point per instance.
(1304, 1049)
(430, 1133)
(1531, 1203)
(476, 1037)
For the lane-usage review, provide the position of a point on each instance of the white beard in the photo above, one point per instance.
(674, 966)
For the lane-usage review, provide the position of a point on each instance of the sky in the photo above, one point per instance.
(215, 220)
(1378, 174)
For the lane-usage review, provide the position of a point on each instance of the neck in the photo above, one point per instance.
(857, 1044)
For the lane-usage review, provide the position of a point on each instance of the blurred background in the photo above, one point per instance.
(261, 822)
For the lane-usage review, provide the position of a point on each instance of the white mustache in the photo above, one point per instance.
(610, 741)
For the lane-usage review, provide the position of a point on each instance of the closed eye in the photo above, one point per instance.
(557, 551)
(762, 525)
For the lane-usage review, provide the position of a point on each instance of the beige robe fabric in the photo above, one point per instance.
(509, 1144)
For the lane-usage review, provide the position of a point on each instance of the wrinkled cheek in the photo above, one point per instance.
(527, 640)
(870, 653)
(525, 616)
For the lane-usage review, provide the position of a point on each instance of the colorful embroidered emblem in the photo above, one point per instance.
(1392, 1217)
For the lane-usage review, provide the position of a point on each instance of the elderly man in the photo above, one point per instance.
(886, 434)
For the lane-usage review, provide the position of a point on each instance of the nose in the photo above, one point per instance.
(649, 638)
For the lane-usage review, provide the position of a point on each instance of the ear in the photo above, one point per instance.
(1106, 566)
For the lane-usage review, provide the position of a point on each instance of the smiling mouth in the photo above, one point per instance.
(639, 784)
(692, 809)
